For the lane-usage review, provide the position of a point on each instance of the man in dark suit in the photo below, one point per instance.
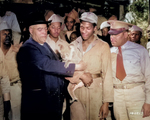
(42, 75)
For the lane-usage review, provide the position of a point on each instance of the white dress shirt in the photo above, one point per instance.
(13, 24)
(148, 47)
(12, 21)
(136, 63)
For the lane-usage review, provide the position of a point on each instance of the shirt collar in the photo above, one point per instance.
(126, 45)
(79, 43)
(52, 40)
(79, 40)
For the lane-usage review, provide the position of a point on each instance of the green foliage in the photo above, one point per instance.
(140, 12)
(140, 9)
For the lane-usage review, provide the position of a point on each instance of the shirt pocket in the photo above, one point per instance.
(93, 63)
(132, 65)
(11, 63)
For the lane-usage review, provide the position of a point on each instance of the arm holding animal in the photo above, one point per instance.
(85, 77)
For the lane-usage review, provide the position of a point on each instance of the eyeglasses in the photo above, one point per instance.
(40, 29)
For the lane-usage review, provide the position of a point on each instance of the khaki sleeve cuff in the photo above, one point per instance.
(6, 96)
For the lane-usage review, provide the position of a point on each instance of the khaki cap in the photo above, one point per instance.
(55, 18)
(89, 17)
(117, 26)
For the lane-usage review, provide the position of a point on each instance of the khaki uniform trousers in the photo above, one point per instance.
(89, 102)
(128, 103)
(15, 92)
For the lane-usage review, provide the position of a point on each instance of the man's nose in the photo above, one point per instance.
(45, 30)
(56, 30)
(84, 30)
(133, 35)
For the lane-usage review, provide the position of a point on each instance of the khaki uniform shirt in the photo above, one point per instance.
(4, 83)
(98, 59)
(11, 65)
(53, 44)
(4, 79)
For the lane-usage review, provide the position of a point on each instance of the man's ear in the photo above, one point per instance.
(31, 29)
(48, 28)
(95, 28)
(126, 34)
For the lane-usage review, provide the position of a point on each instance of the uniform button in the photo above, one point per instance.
(131, 113)
(134, 104)
(100, 83)
(125, 87)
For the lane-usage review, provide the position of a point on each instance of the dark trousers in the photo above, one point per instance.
(112, 111)
(66, 115)
(40, 116)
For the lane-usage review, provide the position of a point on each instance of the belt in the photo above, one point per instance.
(96, 75)
(15, 82)
(127, 86)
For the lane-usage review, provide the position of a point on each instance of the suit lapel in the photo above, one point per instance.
(44, 51)
(51, 51)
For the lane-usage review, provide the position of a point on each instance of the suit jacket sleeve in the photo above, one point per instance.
(45, 62)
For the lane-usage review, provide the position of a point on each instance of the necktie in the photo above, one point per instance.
(120, 71)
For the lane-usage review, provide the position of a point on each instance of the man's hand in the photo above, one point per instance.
(75, 79)
(86, 79)
(81, 66)
(104, 110)
(146, 110)
(16, 47)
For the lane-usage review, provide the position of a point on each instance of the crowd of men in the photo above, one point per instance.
(70, 68)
